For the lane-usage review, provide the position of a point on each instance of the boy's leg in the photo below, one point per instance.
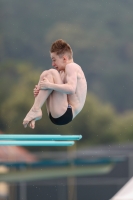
(35, 113)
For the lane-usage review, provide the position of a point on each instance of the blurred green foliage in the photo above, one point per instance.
(101, 35)
(98, 123)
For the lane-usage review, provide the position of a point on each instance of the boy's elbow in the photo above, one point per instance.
(72, 90)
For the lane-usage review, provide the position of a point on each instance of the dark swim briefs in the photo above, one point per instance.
(64, 119)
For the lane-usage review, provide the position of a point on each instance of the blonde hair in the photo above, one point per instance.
(60, 47)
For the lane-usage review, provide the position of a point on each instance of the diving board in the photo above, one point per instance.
(37, 140)
(36, 143)
(39, 137)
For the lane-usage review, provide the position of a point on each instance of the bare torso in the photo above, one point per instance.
(57, 102)
(77, 99)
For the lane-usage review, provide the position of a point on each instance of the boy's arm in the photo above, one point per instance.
(68, 88)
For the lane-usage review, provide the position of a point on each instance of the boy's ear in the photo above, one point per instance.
(64, 57)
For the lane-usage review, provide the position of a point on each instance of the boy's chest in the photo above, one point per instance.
(63, 77)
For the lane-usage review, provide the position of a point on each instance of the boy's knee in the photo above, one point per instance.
(52, 71)
(43, 74)
(49, 74)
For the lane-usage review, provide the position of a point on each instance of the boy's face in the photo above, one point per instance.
(58, 62)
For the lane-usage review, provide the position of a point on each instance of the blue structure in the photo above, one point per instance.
(36, 143)
(39, 137)
(38, 140)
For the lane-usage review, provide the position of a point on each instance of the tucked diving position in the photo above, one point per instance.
(63, 88)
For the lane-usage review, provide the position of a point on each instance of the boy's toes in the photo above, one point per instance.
(25, 123)
(32, 124)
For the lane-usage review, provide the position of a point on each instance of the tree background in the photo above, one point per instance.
(100, 33)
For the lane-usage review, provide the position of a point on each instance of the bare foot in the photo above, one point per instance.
(32, 124)
(32, 115)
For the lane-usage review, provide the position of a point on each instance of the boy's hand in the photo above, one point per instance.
(36, 90)
(45, 84)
